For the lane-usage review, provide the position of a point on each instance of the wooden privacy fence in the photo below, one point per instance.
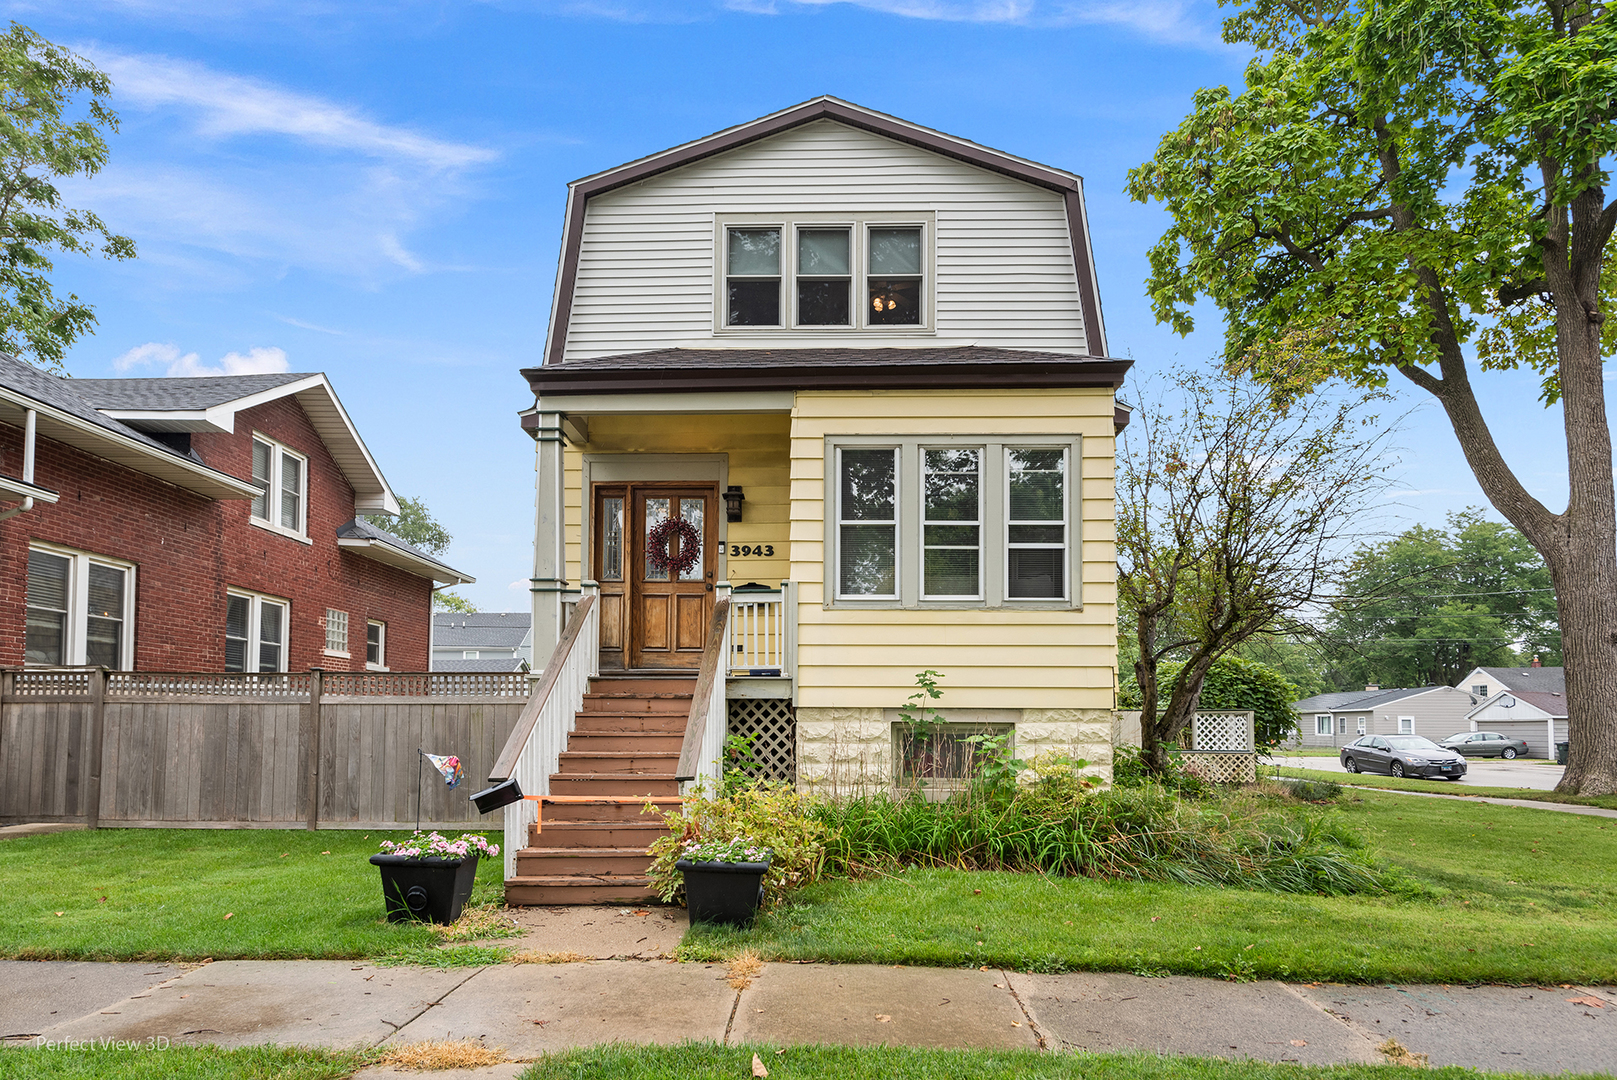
(292, 750)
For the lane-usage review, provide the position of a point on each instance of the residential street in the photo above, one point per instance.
(529, 1009)
(1489, 772)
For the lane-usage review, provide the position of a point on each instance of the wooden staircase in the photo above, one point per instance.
(589, 846)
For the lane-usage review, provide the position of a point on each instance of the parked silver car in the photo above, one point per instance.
(1486, 744)
(1402, 755)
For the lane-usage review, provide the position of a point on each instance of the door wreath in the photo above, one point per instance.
(657, 546)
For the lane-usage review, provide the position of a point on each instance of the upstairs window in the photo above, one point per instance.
(894, 282)
(1481, 690)
(819, 273)
(280, 474)
(753, 280)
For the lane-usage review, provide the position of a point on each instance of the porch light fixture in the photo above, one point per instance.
(733, 498)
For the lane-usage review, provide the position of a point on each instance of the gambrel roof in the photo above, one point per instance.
(1068, 185)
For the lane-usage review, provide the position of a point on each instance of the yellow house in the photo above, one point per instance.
(825, 403)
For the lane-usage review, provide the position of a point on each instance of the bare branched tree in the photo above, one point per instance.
(1236, 508)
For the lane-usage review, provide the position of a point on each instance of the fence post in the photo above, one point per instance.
(309, 740)
(98, 734)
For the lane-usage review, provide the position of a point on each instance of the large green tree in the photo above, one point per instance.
(54, 113)
(1429, 605)
(1394, 178)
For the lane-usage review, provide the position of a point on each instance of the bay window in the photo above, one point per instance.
(80, 609)
(952, 521)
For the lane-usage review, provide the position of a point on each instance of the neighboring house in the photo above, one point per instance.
(1484, 682)
(1336, 719)
(1536, 716)
(482, 641)
(863, 362)
(204, 524)
(1539, 713)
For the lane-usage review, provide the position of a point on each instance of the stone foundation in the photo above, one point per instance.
(849, 752)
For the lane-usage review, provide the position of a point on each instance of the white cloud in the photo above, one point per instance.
(1164, 20)
(258, 360)
(519, 584)
(228, 105)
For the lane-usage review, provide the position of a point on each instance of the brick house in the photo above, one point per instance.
(203, 524)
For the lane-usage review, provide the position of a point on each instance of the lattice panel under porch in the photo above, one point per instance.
(1222, 731)
(774, 727)
(1223, 768)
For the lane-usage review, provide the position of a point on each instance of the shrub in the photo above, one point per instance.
(1234, 683)
(1316, 791)
(1146, 832)
(1128, 770)
(766, 814)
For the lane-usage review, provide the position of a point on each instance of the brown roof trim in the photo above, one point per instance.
(823, 108)
(556, 379)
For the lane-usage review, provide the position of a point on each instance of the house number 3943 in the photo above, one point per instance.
(741, 551)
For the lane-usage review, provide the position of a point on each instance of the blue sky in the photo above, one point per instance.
(375, 190)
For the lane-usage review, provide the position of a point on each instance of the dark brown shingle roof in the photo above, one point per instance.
(950, 367)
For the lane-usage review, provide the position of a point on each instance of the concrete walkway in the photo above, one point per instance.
(529, 1009)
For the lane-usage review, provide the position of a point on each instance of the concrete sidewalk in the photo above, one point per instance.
(529, 1009)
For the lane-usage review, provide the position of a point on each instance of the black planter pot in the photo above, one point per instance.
(431, 890)
(723, 892)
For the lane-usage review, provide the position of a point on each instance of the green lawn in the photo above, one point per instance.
(699, 1061)
(1497, 894)
(1444, 787)
(158, 894)
(705, 1062)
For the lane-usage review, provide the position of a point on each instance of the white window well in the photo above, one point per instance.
(951, 521)
(281, 476)
(817, 272)
(376, 645)
(80, 609)
(336, 632)
(256, 631)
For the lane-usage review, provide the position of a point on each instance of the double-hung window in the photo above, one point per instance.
(816, 272)
(281, 476)
(1322, 724)
(376, 645)
(255, 631)
(951, 521)
(80, 609)
(867, 523)
(1406, 725)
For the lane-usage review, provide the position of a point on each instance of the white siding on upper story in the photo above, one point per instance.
(1003, 255)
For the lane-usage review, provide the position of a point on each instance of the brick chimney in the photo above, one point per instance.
(1372, 686)
(1536, 663)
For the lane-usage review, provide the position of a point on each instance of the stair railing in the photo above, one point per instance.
(705, 729)
(533, 750)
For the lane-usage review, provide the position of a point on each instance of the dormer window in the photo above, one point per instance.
(820, 274)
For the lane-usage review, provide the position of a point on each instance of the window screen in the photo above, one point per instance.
(46, 637)
(271, 635)
(824, 277)
(893, 285)
(951, 524)
(262, 466)
(291, 493)
(1036, 559)
(867, 522)
(103, 644)
(238, 613)
(753, 277)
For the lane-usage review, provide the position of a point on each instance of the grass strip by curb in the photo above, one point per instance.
(1443, 787)
(694, 1061)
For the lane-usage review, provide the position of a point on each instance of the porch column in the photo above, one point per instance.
(549, 581)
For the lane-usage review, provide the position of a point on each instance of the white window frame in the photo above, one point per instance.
(1480, 690)
(980, 523)
(1363, 723)
(1067, 459)
(336, 622)
(279, 452)
(256, 601)
(76, 644)
(1406, 725)
(858, 226)
(1324, 724)
(898, 542)
(994, 561)
(380, 663)
(470, 654)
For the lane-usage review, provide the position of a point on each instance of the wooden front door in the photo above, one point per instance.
(653, 616)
